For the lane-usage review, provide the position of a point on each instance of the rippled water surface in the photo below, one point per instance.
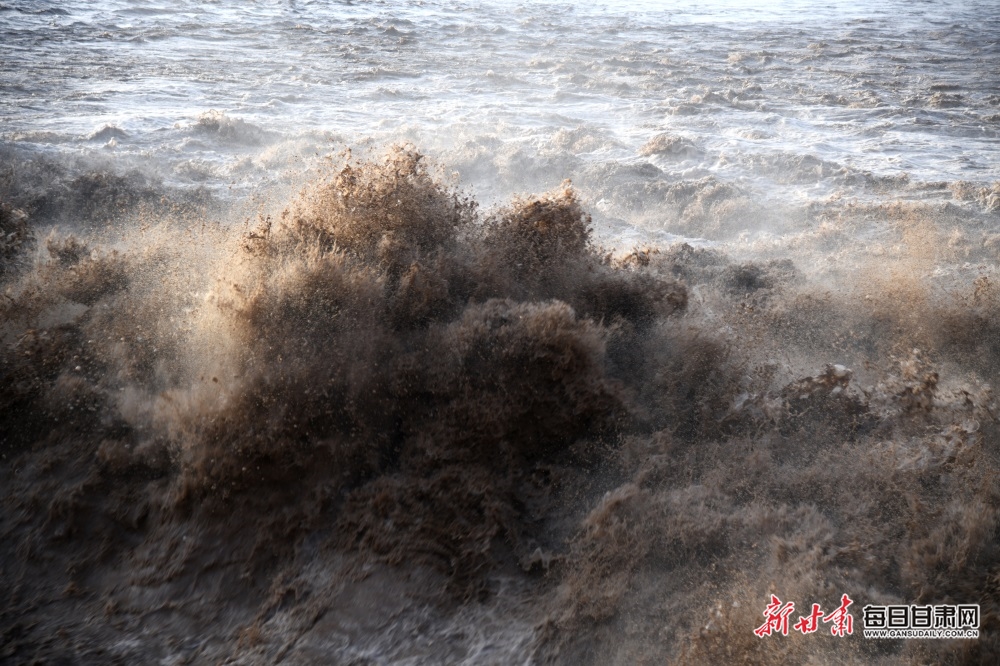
(803, 96)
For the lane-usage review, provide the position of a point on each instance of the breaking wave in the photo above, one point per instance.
(383, 424)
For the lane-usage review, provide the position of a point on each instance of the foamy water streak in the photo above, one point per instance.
(800, 99)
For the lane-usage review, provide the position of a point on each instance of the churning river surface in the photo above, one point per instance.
(487, 333)
(790, 99)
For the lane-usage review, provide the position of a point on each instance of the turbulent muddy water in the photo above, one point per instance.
(376, 333)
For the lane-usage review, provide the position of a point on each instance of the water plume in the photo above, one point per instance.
(379, 388)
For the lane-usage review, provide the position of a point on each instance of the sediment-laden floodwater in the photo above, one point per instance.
(384, 332)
